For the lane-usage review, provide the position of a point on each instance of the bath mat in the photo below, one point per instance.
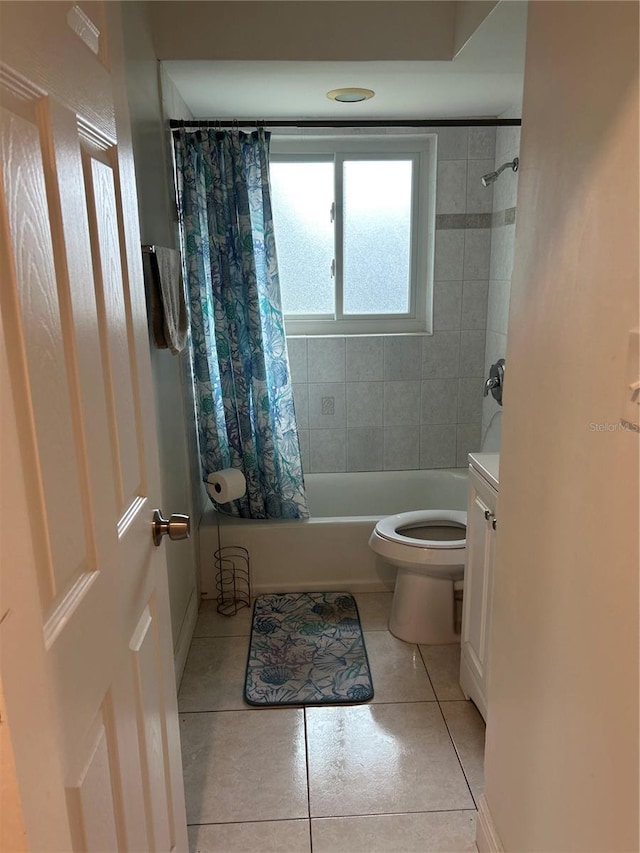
(307, 648)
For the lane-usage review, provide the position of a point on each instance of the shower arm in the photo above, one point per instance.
(513, 164)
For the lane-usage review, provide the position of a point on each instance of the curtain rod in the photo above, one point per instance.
(175, 124)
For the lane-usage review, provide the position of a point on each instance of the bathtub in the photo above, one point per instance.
(330, 551)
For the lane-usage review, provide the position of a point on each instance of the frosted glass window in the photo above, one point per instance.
(377, 236)
(302, 195)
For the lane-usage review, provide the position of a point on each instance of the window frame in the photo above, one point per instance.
(421, 150)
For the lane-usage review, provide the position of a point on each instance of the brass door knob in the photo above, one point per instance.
(177, 526)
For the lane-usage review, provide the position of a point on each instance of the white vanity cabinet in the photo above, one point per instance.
(478, 577)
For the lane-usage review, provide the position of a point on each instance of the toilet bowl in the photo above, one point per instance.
(428, 548)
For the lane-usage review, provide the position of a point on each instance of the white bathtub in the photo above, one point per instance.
(329, 551)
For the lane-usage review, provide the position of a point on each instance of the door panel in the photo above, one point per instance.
(73, 313)
(115, 333)
(151, 728)
(40, 323)
(91, 802)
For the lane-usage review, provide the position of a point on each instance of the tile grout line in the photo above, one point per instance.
(257, 709)
(241, 822)
(331, 817)
(444, 719)
(306, 761)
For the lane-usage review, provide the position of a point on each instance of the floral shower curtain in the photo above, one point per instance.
(246, 417)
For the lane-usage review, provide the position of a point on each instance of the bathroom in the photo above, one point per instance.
(398, 414)
(400, 403)
(405, 410)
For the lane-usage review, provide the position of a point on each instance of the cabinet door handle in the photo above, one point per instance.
(494, 523)
(487, 514)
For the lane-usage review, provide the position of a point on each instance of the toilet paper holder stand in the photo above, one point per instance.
(232, 563)
(233, 576)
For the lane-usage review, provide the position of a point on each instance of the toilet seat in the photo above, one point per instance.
(387, 528)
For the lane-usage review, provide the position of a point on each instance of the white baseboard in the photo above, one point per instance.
(186, 635)
(487, 838)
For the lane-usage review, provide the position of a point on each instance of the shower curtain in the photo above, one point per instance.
(244, 400)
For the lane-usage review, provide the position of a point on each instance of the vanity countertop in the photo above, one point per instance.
(487, 465)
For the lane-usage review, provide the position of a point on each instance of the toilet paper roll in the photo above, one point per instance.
(226, 485)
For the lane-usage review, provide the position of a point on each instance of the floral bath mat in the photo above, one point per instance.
(307, 649)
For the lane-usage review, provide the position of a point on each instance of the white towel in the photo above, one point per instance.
(167, 300)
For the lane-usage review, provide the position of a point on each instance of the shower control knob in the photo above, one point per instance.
(495, 381)
(177, 526)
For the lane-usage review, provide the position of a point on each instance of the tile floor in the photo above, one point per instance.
(401, 773)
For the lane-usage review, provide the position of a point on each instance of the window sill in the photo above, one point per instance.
(348, 328)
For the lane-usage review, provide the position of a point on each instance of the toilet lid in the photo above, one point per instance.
(387, 528)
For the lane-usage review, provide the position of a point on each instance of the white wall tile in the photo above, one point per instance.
(440, 355)
(365, 449)
(303, 437)
(301, 404)
(439, 401)
(326, 359)
(482, 143)
(498, 306)
(477, 247)
(328, 450)
(438, 446)
(502, 251)
(453, 143)
(451, 189)
(401, 403)
(401, 448)
(365, 356)
(324, 391)
(402, 356)
(474, 304)
(470, 400)
(472, 350)
(365, 404)
(449, 254)
(297, 349)
(479, 197)
(447, 305)
(507, 144)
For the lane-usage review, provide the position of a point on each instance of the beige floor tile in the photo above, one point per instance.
(467, 730)
(374, 609)
(213, 677)
(242, 766)
(443, 666)
(377, 759)
(436, 832)
(397, 670)
(277, 836)
(212, 624)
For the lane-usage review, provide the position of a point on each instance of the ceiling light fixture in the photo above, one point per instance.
(350, 96)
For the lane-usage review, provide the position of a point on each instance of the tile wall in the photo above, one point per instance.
(501, 262)
(398, 402)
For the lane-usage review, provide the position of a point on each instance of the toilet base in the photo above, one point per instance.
(423, 609)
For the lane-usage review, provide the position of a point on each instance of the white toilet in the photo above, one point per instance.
(428, 547)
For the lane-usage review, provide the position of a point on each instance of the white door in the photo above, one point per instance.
(87, 665)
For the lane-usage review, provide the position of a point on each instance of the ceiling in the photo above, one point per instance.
(484, 79)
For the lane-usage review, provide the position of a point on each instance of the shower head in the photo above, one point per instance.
(490, 177)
